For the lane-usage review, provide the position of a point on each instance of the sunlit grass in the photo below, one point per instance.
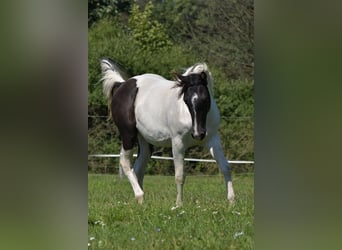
(206, 221)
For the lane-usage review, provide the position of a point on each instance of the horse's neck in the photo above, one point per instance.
(181, 113)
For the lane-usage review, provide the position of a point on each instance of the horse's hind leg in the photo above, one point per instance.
(126, 164)
(122, 107)
(144, 154)
(216, 151)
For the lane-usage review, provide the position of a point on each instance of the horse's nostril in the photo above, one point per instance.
(202, 135)
(199, 136)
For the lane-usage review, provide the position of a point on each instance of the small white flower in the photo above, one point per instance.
(215, 212)
(237, 234)
(92, 238)
(181, 213)
(132, 239)
(101, 223)
(236, 212)
(174, 208)
(88, 244)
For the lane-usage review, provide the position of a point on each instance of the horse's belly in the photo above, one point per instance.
(159, 143)
(154, 134)
(155, 137)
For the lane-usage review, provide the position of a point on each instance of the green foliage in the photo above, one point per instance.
(220, 31)
(98, 9)
(147, 33)
(235, 100)
(206, 221)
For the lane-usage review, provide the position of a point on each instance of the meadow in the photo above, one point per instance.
(205, 221)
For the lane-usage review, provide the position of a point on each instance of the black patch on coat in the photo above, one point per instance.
(122, 108)
(115, 87)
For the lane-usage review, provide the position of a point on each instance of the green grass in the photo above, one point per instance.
(206, 221)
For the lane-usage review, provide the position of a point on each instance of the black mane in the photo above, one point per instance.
(185, 82)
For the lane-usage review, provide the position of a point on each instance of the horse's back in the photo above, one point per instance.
(150, 76)
(148, 80)
(154, 90)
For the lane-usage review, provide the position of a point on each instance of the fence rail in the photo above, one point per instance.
(222, 117)
(169, 158)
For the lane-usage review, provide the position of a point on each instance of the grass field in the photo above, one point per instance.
(206, 221)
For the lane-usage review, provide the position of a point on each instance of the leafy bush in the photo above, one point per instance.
(146, 32)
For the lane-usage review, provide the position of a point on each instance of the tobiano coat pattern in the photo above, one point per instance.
(151, 110)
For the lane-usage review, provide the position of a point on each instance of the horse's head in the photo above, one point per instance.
(197, 98)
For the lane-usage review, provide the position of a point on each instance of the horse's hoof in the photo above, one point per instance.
(179, 204)
(231, 201)
(140, 199)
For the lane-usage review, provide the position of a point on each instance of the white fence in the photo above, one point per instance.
(170, 158)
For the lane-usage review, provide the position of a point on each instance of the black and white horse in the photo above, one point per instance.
(152, 110)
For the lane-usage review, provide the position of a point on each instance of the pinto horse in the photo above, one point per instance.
(154, 111)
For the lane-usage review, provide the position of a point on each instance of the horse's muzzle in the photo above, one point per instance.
(199, 136)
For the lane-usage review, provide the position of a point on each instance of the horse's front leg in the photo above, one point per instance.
(178, 151)
(216, 151)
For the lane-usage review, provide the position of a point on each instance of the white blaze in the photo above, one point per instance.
(193, 101)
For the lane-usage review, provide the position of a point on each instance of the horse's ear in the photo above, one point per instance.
(181, 78)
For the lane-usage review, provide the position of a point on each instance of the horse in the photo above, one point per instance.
(150, 110)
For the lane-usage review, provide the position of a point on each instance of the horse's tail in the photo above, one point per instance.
(110, 76)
